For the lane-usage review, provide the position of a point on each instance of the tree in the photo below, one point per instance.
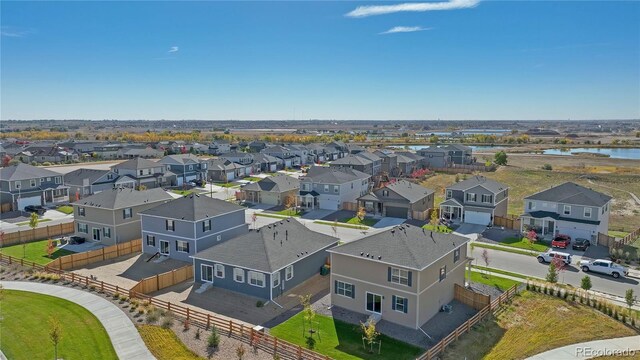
(370, 334)
(629, 298)
(33, 224)
(50, 248)
(288, 202)
(559, 265)
(500, 158)
(307, 313)
(485, 259)
(214, 338)
(6, 160)
(532, 236)
(433, 219)
(55, 334)
(585, 283)
(552, 274)
(362, 212)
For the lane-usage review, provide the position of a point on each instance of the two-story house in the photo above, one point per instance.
(475, 201)
(112, 216)
(219, 147)
(398, 199)
(329, 188)
(389, 161)
(273, 190)
(403, 275)
(187, 167)
(569, 209)
(408, 162)
(147, 173)
(181, 228)
(366, 162)
(85, 182)
(435, 157)
(460, 154)
(22, 185)
(287, 155)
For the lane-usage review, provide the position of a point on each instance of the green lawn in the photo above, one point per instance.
(227, 185)
(499, 248)
(183, 192)
(492, 280)
(524, 243)
(35, 251)
(619, 234)
(339, 224)
(25, 223)
(25, 328)
(65, 209)
(439, 228)
(340, 340)
(252, 178)
(356, 221)
(289, 212)
(503, 272)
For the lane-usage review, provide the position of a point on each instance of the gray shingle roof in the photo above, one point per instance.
(352, 160)
(323, 174)
(76, 177)
(572, 193)
(136, 164)
(120, 198)
(278, 183)
(556, 216)
(405, 245)
(25, 172)
(193, 208)
(270, 248)
(408, 190)
(182, 159)
(487, 183)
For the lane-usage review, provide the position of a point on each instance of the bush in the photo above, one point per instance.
(116, 296)
(259, 303)
(167, 322)
(547, 167)
(153, 316)
(198, 334)
(214, 338)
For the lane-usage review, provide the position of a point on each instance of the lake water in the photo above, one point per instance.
(418, 147)
(626, 153)
(467, 132)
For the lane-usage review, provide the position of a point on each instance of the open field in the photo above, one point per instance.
(532, 316)
(25, 329)
(34, 251)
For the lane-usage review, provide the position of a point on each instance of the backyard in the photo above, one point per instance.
(340, 340)
(164, 344)
(25, 321)
(528, 317)
(34, 251)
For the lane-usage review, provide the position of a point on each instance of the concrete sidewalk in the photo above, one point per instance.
(123, 334)
(587, 350)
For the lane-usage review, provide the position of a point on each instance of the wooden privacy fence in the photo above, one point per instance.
(6, 207)
(242, 332)
(610, 241)
(30, 235)
(470, 298)
(509, 222)
(74, 261)
(491, 308)
(350, 206)
(421, 215)
(164, 280)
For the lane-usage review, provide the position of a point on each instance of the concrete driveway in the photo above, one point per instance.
(470, 229)
(388, 222)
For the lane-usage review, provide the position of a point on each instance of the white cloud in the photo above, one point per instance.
(404, 29)
(174, 49)
(11, 31)
(371, 10)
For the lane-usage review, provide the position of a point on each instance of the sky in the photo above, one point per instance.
(373, 60)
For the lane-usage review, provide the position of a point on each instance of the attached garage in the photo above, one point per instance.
(575, 230)
(476, 217)
(269, 198)
(26, 201)
(396, 212)
(191, 177)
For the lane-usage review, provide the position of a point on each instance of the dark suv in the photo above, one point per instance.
(581, 244)
(35, 209)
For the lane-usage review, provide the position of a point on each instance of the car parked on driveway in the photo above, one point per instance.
(561, 241)
(548, 256)
(35, 209)
(607, 267)
(581, 244)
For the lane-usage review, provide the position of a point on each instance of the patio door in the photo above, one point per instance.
(374, 303)
(164, 247)
(96, 234)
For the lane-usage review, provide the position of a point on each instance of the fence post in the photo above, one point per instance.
(299, 352)
(117, 289)
(73, 277)
(168, 306)
(230, 327)
(187, 313)
(208, 320)
(275, 346)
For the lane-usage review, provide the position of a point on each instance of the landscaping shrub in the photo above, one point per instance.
(186, 325)
(153, 316)
(214, 338)
(259, 303)
(167, 322)
(116, 296)
(198, 334)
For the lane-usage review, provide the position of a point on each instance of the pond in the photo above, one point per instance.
(418, 147)
(614, 153)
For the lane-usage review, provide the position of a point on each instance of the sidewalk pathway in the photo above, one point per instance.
(123, 334)
(592, 349)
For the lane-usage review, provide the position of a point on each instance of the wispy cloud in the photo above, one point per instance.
(371, 10)
(173, 49)
(12, 31)
(404, 29)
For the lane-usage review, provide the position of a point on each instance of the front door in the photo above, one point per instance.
(374, 303)
(96, 234)
(164, 247)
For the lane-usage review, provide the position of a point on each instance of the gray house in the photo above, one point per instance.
(187, 167)
(84, 182)
(112, 216)
(145, 172)
(389, 160)
(365, 162)
(22, 185)
(187, 225)
(399, 199)
(266, 262)
(435, 157)
(476, 201)
(329, 188)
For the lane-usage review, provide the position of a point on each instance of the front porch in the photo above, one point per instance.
(309, 201)
(544, 227)
(59, 194)
(451, 210)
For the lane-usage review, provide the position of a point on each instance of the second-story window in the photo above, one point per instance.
(567, 210)
(385, 192)
(41, 180)
(530, 205)
(127, 213)
(449, 194)
(58, 180)
(443, 273)
(81, 211)
(587, 212)
(206, 225)
(326, 188)
(16, 184)
(456, 255)
(170, 225)
(471, 197)
(487, 199)
(190, 167)
(32, 182)
(399, 276)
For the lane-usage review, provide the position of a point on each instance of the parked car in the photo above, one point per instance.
(561, 241)
(581, 244)
(35, 209)
(604, 267)
(548, 256)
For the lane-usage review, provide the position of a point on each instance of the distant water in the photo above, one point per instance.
(418, 147)
(467, 132)
(614, 153)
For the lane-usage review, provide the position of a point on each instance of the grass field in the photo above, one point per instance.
(619, 234)
(492, 280)
(524, 243)
(25, 329)
(35, 251)
(503, 272)
(438, 228)
(500, 248)
(525, 328)
(356, 221)
(339, 224)
(164, 344)
(343, 341)
(65, 209)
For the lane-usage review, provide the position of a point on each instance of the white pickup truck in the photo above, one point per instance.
(604, 267)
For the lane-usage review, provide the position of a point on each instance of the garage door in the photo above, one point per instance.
(180, 182)
(191, 177)
(474, 217)
(577, 233)
(396, 212)
(34, 200)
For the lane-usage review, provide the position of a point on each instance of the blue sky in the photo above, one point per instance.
(320, 60)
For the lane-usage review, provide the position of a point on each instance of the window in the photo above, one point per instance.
(182, 246)
(385, 192)
(443, 273)
(83, 228)
(306, 187)
(107, 232)
(48, 179)
(567, 210)
(206, 225)
(471, 197)
(151, 240)
(326, 188)
(256, 278)
(141, 172)
(81, 211)
(344, 289)
(399, 276)
(487, 198)
(456, 255)
(41, 180)
(206, 273)
(449, 194)
(109, 176)
(16, 185)
(190, 167)
(170, 225)
(238, 275)
(58, 180)
(399, 303)
(220, 271)
(127, 213)
(275, 279)
(530, 205)
(587, 212)
(336, 189)
(288, 272)
(32, 182)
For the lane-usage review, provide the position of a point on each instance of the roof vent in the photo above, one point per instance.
(361, 253)
(379, 257)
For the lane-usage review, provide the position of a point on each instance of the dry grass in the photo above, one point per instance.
(164, 344)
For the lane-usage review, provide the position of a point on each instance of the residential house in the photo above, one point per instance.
(107, 151)
(288, 156)
(181, 228)
(219, 147)
(408, 162)
(475, 200)
(329, 188)
(40, 154)
(568, 208)
(147, 173)
(403, 275)
(435, 157)
(264, 263)
(340, 147)
(112, 216)
(22, 185)
(85, 182)
(256, 146)
(266, 163)
(223, 170)
(398, 199)
(301, 151)
(273, 190)
(143, 152)
(187, 167)
(460, 154)
(389, 161)
(362, 162)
